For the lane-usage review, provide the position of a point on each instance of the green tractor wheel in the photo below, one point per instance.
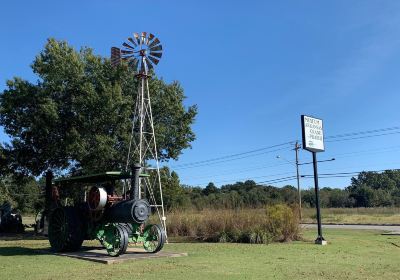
(65, 229)
(154, 238)
(116, 240)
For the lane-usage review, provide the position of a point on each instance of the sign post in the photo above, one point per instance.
(313, 141)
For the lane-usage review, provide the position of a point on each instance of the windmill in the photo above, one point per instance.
(142, 52)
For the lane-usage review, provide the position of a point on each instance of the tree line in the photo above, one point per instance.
(368, 189)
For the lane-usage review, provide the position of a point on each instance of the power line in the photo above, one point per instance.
(227, 160)
(255, 152)
(278, 179)
(276, 182)
(369, 151)
(230, 156)
(363, 132)
(350, 154)
(235, 171)
(323, 175)
(362, 137)
(346, 174)
(246, 178)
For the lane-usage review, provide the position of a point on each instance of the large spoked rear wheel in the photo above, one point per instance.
(154, 238)
(65, 230)
(116, 240)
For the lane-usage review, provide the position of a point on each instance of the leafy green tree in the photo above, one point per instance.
(210, 188)
(372, 189)
(173, 193)
(5, 195)
(23, 193)
(4, 169)
(339, 198)
(308, 197)
(289, 194)
(77, 114)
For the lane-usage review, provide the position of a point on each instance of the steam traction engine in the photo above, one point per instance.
(114, 220)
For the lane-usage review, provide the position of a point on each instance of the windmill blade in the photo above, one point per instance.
(115, 56)
(132, 41)
(148, 63)
(144, 37)
(156, 54)
(133, 63)
(154, 43)
(154, 60)
(137, 37)
(129, 46)
(151, 37)
(138, 66)
(156, 48)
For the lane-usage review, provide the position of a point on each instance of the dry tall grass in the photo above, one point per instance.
(378, 215)
(275, 223)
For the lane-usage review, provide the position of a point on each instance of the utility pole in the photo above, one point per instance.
(297, 148)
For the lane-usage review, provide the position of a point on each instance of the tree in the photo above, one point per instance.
(77, 115)
(372, 189)
(4, 170)
(339, 198)
(173, 193)
(23, 193)
(5, 195)
(210, 188)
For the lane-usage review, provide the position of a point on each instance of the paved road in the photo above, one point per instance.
(369, 227)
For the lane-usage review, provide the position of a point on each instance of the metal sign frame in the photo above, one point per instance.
(306, 145)
(319, 131)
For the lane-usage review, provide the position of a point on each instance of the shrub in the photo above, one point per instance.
(282, 223)
(257, 226)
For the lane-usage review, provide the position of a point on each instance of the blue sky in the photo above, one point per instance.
(252, 67)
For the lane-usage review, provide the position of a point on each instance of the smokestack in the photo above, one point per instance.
(135, 181)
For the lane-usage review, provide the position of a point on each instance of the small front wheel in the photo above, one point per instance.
(154, 238)
(116, 240)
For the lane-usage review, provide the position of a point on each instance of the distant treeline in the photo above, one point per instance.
(368, 189)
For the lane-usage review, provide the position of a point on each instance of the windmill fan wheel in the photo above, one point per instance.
(142, 52)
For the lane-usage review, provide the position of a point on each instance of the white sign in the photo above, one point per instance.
(313, 134)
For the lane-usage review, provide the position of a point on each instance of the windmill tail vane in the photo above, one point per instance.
(142, 52)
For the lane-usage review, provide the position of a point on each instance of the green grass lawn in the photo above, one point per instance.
(349, 255)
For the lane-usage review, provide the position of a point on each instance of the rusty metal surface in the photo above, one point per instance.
(115, 56)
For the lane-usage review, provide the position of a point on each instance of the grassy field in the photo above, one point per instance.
(354, 215)
(349, 255)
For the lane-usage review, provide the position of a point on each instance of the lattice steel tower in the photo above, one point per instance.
(142, 52)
